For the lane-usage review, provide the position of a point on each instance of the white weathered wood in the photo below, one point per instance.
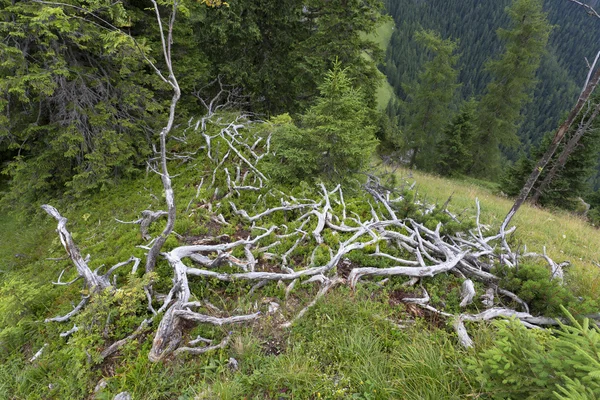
(38, 353)
(327, 285)
(202, 350)
(208, 319)
(461, 332)
(419, 272)
(68, 316)
(69, 332)
(467, 292)
(92, 280)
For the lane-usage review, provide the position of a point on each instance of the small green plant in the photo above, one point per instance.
(534, 285)
(540, 364)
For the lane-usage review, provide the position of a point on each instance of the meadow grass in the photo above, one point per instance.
(382, 37)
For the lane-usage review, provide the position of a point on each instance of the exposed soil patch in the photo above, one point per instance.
(396, 297)
(241, 233)
(273, 339)
(206, 240)
(345, 266)
(269, 266)
(433, 319)
(297, 260)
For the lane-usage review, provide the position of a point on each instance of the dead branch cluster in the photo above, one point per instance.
(416, 251)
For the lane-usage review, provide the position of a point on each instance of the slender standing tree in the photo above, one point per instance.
(430, 99)
(457, 142)
(513, 79)
(592, 81)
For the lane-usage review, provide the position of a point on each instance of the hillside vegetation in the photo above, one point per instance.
(222, 200)
(364, 343)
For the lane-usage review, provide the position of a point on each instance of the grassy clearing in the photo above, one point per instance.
(384, 94)
(382, 37)
(345, 347)
(383, 34)
(566, 236)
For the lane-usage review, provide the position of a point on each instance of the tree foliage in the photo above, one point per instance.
(80, 102)
(76, 103)
(279, 52)
(572, 180)
(334, 139)
(456, 144)
(513, 74)
(531, 364)
(473, 23)
(428, 105)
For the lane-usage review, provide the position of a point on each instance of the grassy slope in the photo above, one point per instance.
(371, 359)
(382, 37)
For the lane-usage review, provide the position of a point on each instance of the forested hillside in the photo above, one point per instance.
(473, 23)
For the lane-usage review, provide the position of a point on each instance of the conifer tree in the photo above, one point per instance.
(335, 137)
(513, 78)
(455, 147)
(430, 99)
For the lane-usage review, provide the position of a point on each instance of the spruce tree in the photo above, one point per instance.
(454, 149)
(430, 99)
(335, 138)
(513, 79)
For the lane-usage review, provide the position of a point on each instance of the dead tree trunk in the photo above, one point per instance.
(92, 280)
(164, 172)
(564, 155)
(588, 89)
(590, 10)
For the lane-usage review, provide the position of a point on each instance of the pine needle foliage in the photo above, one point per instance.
(430, 99)
(455, 148)
(333, 140)
(535, 364)
(513, 78)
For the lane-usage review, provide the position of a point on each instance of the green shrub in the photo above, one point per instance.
(537, 364)
(533, 284)
(333, 140)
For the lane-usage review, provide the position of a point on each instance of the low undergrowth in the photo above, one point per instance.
(540, 364)
(347, 348)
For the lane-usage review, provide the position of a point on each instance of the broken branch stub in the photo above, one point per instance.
(92, 280)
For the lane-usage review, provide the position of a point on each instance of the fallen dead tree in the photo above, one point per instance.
(312, 245)
(328, 229)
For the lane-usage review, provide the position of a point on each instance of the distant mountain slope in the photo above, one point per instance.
(474, 23)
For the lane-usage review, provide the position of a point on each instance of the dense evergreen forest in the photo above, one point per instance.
(473, 23)
(209, 199)
(476, 29)
(80, 102)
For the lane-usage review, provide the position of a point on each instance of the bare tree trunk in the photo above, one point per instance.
(413, 158)
(164, 173)
(589, 87)
(589, 8)
(564, 155)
